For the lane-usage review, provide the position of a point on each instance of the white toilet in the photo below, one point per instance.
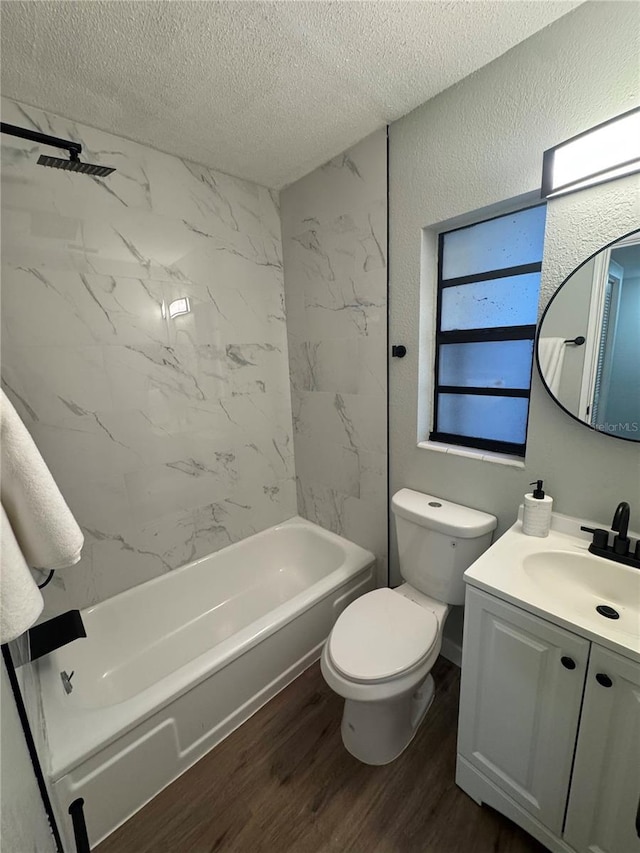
(380, 652)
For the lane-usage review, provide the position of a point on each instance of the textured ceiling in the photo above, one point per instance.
(267, 91)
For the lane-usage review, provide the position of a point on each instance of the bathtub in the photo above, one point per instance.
(170, 668)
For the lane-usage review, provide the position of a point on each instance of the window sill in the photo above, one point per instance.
(471, 453)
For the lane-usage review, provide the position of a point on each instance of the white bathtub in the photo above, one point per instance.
(171, 667)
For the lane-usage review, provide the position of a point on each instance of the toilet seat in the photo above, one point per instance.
(380, 636)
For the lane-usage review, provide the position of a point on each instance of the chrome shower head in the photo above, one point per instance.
(75, 165)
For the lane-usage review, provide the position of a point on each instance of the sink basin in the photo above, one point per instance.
(583, 582)
(555, 577)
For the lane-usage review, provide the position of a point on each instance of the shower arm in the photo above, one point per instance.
(74, 148)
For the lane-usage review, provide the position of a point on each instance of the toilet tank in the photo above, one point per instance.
(437, 541)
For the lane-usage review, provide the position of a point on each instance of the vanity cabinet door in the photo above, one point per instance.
(522, 683)
(604, 804)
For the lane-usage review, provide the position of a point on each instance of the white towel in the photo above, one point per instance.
(20, 599)
(551, 354)
(45, 530)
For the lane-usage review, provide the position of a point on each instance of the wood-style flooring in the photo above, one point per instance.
(283, 783)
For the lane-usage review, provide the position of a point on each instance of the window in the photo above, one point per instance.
(488, 283)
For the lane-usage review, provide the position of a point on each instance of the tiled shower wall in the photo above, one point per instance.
(334, 232)
(169, 437)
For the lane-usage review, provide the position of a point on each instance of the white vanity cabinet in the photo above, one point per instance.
(605, 817)
(519, 704)
(542, 737)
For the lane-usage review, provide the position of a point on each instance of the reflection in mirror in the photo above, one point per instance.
(588, 345)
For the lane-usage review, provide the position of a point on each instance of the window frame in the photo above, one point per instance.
(479, 335)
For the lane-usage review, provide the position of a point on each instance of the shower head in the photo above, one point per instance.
(75, 165)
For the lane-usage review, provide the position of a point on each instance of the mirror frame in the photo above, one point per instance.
(539, 329)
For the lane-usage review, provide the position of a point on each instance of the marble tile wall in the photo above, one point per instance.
(334, 233)
(169, 437)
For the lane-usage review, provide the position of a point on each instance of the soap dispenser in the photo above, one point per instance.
(536, 520)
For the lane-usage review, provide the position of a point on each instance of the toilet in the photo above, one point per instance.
(381, 650)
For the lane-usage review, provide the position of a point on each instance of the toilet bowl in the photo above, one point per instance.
(381, 650)
(379, 657)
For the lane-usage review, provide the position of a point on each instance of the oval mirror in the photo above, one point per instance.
(588, 343)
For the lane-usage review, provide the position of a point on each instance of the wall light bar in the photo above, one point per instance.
(609, 150)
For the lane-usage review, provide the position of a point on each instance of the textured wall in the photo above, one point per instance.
(334, 227)
(473, 146)
(170, 438)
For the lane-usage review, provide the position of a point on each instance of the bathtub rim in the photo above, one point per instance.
(78, 733)
(294, 521)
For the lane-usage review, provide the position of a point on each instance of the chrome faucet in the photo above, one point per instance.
(620, 550)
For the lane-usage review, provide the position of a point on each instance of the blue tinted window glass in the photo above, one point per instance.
(497, 418)
(507, 241)
(509, 301)
(494, 364)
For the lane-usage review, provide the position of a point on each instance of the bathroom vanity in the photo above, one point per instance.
(549, 729)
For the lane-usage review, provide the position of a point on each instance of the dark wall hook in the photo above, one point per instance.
(398, 351)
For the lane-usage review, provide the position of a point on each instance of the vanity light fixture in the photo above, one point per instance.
(177, 307)
(607, 151)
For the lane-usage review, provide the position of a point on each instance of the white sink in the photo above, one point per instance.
(584, 582)
(556, 577)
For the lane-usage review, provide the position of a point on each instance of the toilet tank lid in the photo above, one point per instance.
(442, 516)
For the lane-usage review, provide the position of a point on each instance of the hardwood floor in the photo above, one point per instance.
(283, 783)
